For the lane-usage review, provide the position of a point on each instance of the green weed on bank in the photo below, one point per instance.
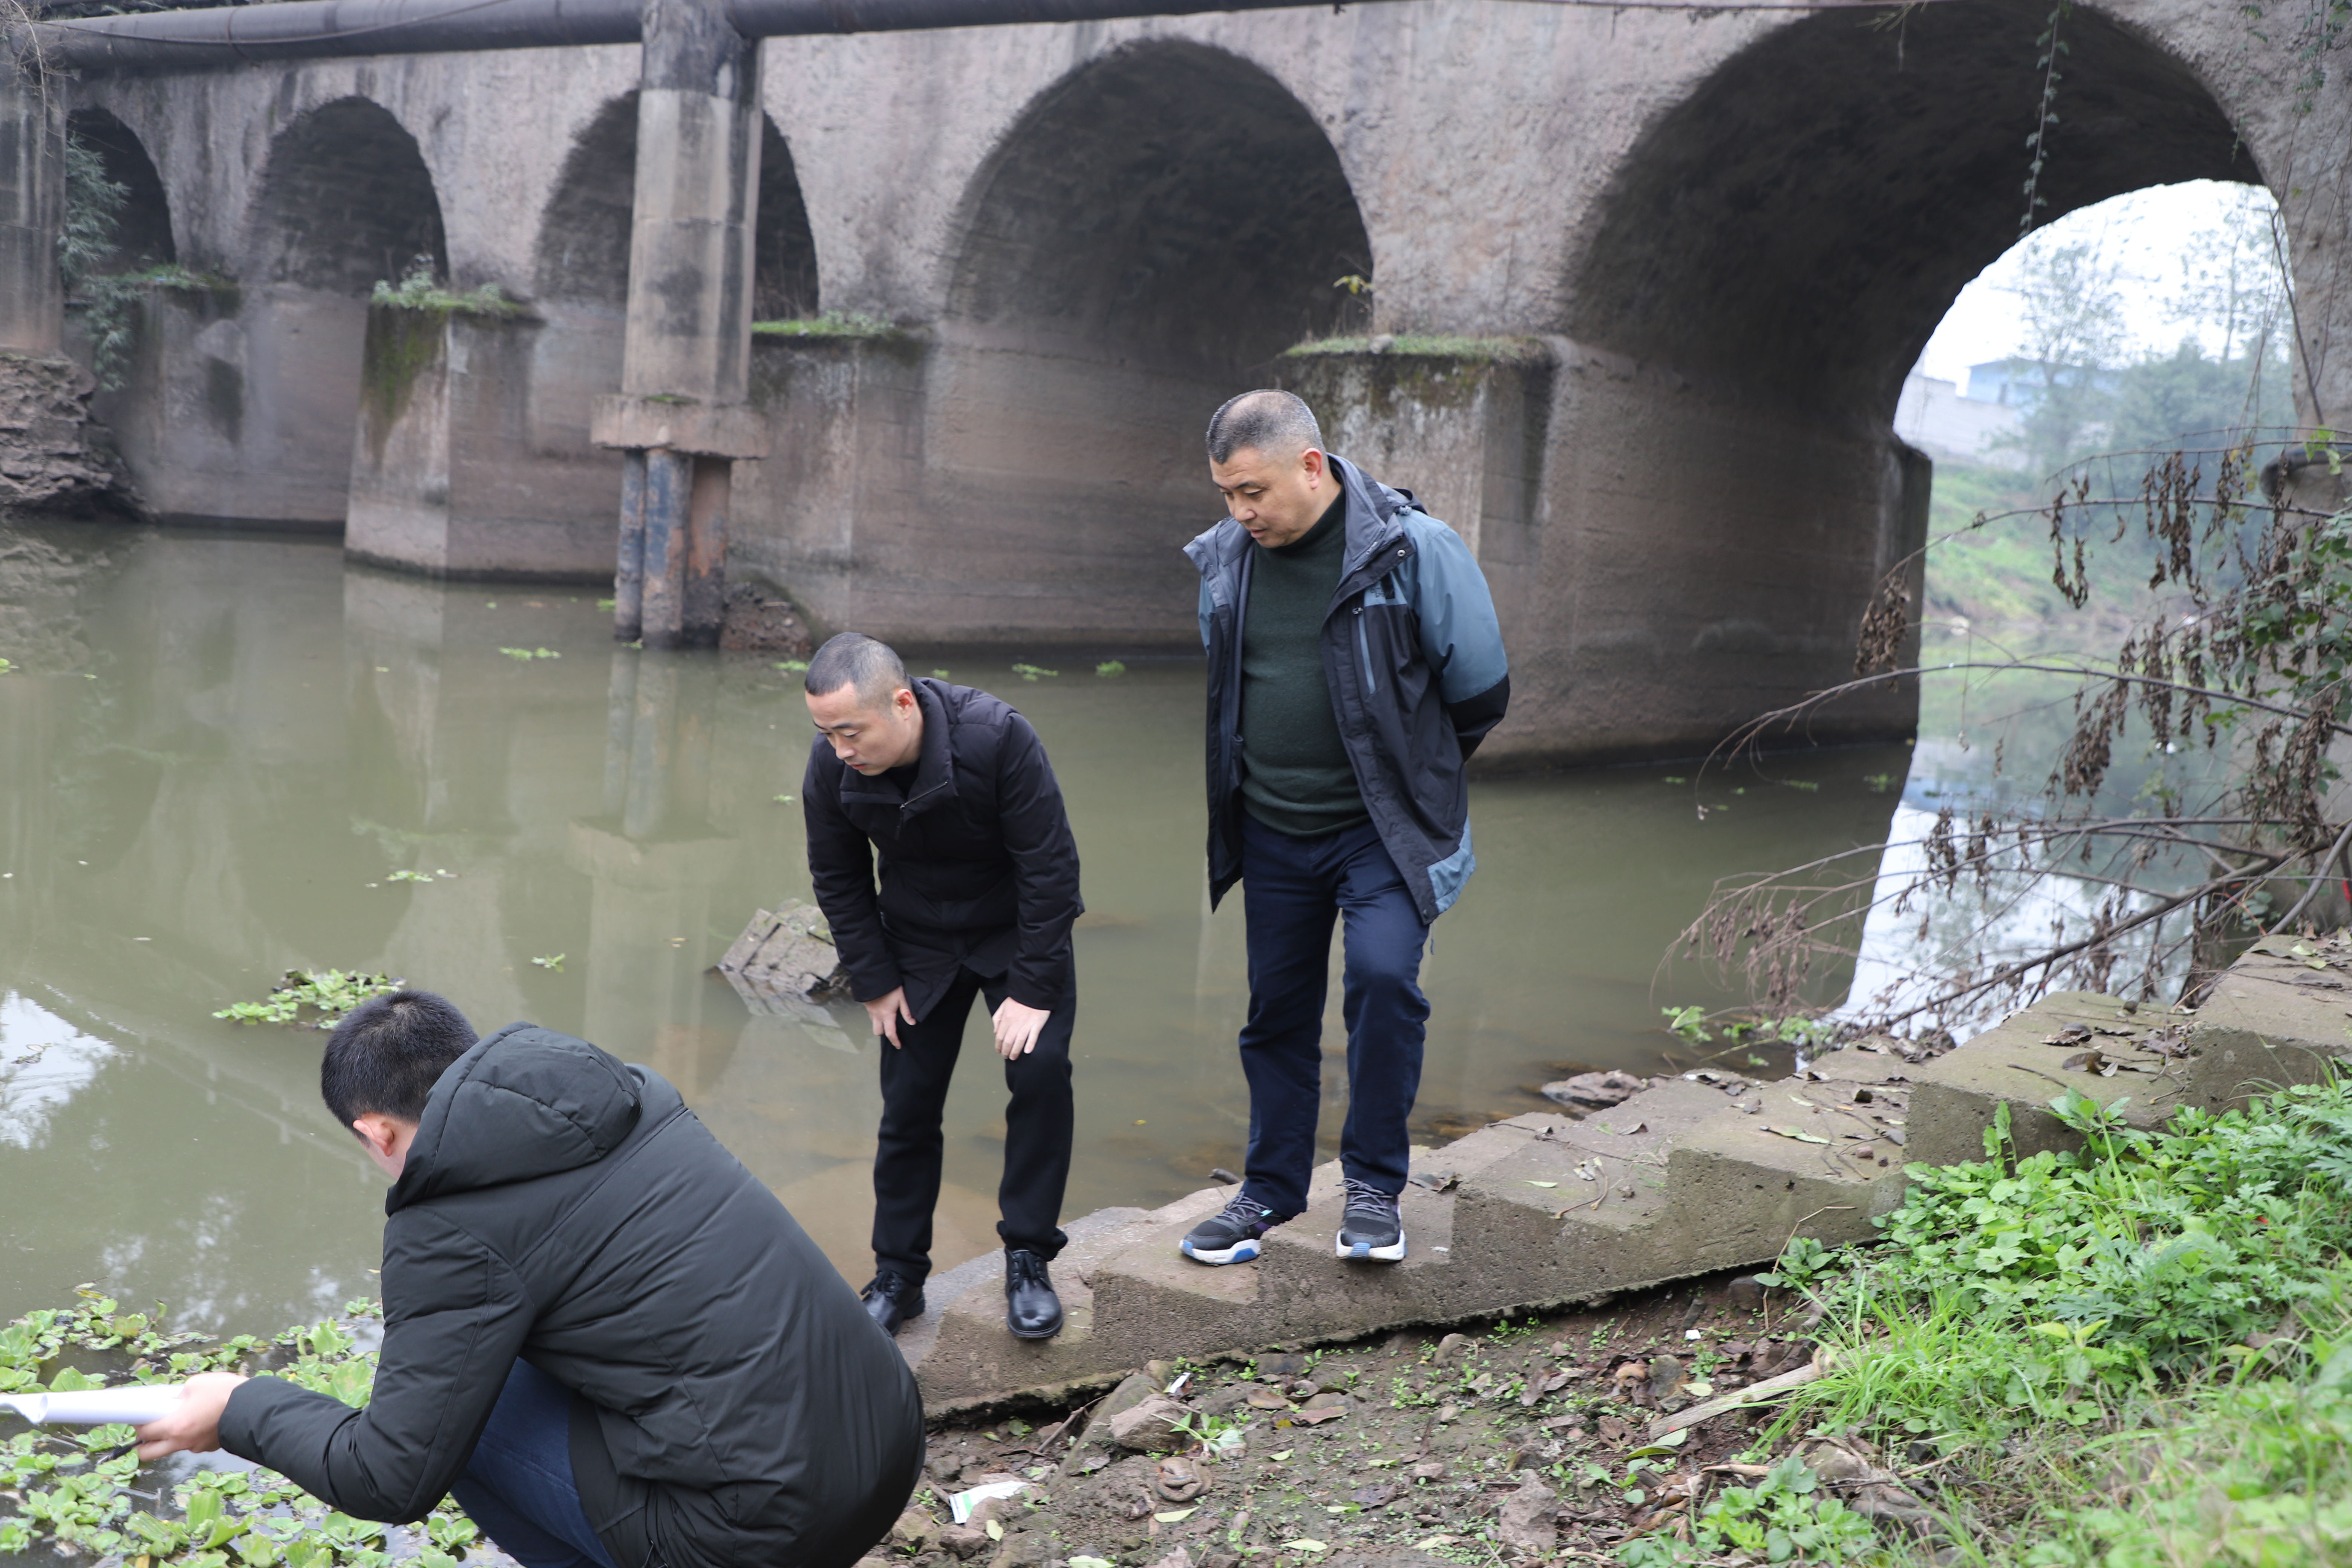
(2135, 1356)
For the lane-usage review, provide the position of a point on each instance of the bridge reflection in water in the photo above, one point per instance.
(219, 751)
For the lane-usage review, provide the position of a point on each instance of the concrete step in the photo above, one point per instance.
(1695, 1174)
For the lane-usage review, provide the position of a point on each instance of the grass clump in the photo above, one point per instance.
(325, 995)
(421, 290)
(852, 324)
(1424, 345)
(2135, 1355)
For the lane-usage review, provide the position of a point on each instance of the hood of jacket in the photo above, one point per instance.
(525, 1102)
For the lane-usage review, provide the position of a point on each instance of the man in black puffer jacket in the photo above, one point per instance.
(600, 1333)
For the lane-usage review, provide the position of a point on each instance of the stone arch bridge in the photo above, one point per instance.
(1642, 288)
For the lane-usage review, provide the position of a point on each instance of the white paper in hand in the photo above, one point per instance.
(137, 1404)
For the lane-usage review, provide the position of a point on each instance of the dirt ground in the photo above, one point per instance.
(1509, 1441)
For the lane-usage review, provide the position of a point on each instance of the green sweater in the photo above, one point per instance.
(1296, 777)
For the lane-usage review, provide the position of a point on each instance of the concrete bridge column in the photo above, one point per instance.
(32, 205)
(681, 415)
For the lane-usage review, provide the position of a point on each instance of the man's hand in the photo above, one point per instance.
(884, 1013)
(1017, 1027)
(195, 1425)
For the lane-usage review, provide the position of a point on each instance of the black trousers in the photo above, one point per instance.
(915, 1078)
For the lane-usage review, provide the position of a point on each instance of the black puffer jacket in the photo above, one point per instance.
(978, 869)
(736, 1408)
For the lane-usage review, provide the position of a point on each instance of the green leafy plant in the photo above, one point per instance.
(1030, 671)
(553, 962)
(1785, 1517)
(528, 654)
(1110, 667)
(420, 290)
(324, 994)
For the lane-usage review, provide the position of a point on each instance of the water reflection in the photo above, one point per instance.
(230, 757)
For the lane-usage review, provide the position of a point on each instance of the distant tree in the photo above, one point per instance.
(2072, 339)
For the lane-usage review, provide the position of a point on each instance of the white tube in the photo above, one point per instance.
(137, 1404)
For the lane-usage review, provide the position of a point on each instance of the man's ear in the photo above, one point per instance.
(903, 702)
(377, 1131)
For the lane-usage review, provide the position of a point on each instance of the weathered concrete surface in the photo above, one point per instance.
(1731, 232)
(32, 205)
(1685, 1178)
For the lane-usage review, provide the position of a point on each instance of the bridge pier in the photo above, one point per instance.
(681, 417)
(32, 206)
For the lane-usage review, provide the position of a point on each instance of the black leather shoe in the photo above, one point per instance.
(1031, 1310)
(891, 1300)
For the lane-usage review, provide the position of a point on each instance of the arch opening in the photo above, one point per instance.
(583, 242)
(1760, 275)
(346, 201)
(1798, 226)
(142, 232)
(1171, 203)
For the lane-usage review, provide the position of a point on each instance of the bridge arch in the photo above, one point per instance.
(1170, 203)
(345, 201)
(582, 255)
(144, 236)
(1768, 258)
(1149, 234)
(1798, 225)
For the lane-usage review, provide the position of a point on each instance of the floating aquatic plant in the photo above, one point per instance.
(326, 995)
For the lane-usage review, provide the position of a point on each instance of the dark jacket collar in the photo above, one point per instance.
(934, 767)
(1372, 509)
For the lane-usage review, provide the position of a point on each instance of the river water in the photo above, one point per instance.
(216, 752)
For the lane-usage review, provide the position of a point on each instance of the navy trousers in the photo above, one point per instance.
(519, 1486)
(1292, 891)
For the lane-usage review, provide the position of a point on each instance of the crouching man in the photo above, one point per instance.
(601, 1334)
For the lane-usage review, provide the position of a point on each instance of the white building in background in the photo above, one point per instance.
(1934, 417)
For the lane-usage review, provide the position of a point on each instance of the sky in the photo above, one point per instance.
(2144, 231)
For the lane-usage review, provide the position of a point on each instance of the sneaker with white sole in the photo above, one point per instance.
(1371, 1230)
(1231, 1233)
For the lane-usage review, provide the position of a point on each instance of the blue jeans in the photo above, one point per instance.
(519, 1487)
(1293, 889)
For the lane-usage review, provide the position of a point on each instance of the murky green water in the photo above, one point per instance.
(215, 751)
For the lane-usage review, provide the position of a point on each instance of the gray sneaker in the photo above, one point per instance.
(1371, 1230)
(1231, 1235)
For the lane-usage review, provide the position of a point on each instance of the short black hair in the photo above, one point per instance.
(1271, 422)
(853, 658)
(388, 1053)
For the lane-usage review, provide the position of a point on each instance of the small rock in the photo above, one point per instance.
(1746, 1291)
(1303, 1387)
(1429, 1470)
(1225, 1401)
(1448, 1412)
(1529, 1522)
(1180, 1479)
(963, 1541)
(1667, 1375)
(1149, 1428)
(1161, 1372)
(1179, 1558)
(1132, 1392)
(944, 1467)
(1452, 1348)
(1280, 1365)
(915, 1534)
(1594, 1090)
(1332, 1382)
(1259, 1396)
(1022, 1548)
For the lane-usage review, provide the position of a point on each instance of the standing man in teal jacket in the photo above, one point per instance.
(1354, 664)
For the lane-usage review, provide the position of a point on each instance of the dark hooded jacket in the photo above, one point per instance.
(978, 869)
(1413, 656)
(733, 1405)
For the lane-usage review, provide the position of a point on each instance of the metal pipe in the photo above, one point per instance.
(323, 29)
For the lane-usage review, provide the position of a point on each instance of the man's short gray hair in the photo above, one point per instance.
(853, 658)
(1272, 423)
